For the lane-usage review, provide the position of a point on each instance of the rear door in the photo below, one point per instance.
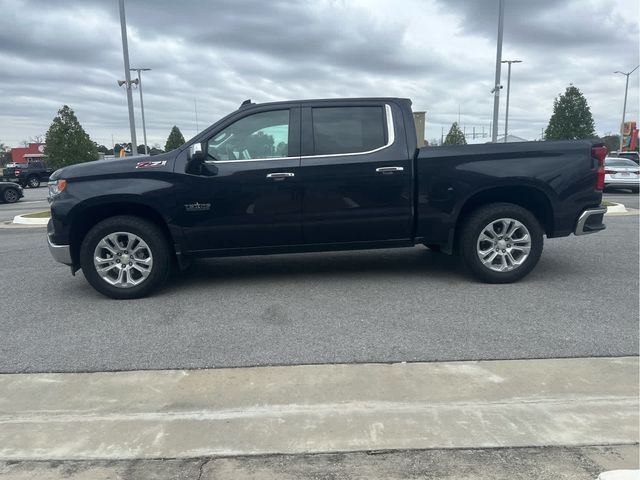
(355, 174)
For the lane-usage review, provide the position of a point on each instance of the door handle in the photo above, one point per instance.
(280, 175)
(389, 169)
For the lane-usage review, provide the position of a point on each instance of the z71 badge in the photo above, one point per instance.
(150, 164)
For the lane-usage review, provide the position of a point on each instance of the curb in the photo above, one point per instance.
(617, 208)
(23, 220)
(620, 475)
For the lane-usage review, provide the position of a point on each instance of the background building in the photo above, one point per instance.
(24, 154)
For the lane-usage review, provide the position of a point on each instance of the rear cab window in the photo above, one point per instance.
(347, 130)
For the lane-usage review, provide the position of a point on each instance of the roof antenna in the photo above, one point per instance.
(246, 103)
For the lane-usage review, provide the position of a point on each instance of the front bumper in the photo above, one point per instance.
(590, 221)
(60, 253)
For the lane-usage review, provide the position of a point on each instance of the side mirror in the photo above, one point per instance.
(196, 155)
(196, 162)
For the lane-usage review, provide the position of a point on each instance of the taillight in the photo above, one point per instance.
(17, 173)
(609, 172)
(600, 153)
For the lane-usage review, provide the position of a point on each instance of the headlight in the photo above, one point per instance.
(56, 187)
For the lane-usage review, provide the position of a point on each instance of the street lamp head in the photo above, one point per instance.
(121, 82)
(139, 69)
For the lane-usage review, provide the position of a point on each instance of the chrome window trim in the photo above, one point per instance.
(391, 138)
(215, 162)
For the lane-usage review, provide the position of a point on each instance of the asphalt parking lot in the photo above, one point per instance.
(369, 306)
(34, 200)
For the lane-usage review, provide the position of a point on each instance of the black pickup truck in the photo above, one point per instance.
(29, 174)
(319, 175)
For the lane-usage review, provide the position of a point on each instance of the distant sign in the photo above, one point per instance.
(629, 136)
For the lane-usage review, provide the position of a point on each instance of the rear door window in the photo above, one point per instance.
(344, 130)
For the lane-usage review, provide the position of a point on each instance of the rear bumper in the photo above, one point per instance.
(60, 253)
(590, 221)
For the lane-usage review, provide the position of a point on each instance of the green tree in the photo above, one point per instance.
(175, 139)
(66, 141)
(455, 136)
(571, 119)
(5, 154)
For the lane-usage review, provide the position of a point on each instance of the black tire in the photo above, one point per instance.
(474, 225)
(149, 233)
(10, 195)
(434, 247)
(33, 182)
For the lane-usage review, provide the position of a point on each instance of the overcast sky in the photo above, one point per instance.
(439, 53)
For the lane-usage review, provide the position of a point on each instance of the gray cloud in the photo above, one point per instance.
(439, 53)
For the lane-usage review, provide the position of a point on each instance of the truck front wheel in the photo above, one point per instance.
(125, 257)
(501, 242)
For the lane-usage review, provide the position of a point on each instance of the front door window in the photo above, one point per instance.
(262, 135)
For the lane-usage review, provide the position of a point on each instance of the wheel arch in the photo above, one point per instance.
(529, 197)
(87, 216)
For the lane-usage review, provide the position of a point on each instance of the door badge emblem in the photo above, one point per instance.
(197, 207)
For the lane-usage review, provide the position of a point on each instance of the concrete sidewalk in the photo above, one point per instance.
(321, 408)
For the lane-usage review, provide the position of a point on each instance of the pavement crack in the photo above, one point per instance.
(201, 468)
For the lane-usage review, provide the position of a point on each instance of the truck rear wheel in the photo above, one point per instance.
(125, 257)
(501, 242)
(33, 182)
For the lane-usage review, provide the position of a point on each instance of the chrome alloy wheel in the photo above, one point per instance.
(123, 259)
(504, 245)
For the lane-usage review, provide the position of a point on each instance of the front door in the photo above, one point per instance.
(246, 193)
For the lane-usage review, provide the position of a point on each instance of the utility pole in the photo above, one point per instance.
(144, 126)
(624, 108)
(497, 86)
(506, 119)
(127, 76)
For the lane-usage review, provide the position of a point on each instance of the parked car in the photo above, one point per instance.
(10, 192)
(621, 173)
(635, 156)
(321, 175)
(29, 174)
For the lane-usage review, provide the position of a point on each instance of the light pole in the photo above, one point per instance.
(506, 118)
(624, 108)
(127, 75)
(497, 86)
(144, 126)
